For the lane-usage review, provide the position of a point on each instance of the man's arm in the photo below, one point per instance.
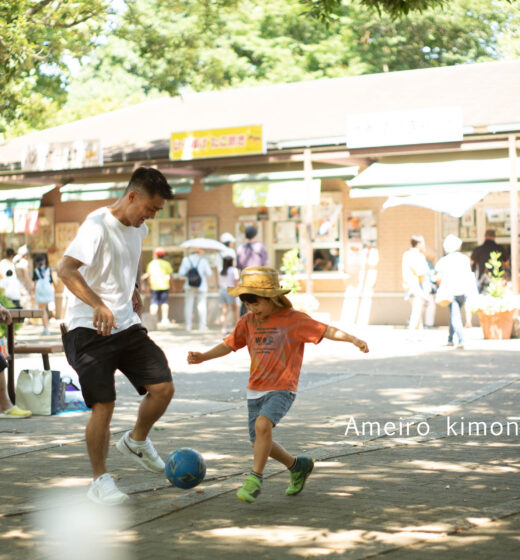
(218, 351)
(68, 272)
(332, 333)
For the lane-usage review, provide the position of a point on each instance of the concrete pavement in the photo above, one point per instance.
(435, 489)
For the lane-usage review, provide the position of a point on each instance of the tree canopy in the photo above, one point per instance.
(163, 47)
(35, 38)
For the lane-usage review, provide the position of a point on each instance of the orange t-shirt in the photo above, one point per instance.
(276, 347)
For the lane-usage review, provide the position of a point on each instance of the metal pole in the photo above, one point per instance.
(513, 196)
(307, 174)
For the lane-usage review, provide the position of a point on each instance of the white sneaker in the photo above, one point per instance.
(104, 491)
(143, 452)
(165, 322)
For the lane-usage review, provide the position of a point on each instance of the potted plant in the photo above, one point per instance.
(497, 306)
(291, 265)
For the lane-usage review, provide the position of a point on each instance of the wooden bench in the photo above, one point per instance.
(39, 348)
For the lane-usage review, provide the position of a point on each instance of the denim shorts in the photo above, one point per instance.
(274, 405)
(159, 297)
(225, 298)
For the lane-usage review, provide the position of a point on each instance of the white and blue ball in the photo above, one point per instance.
(185, 468)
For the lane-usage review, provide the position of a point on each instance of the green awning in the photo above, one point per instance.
(212, 181)
(104, 191)
(23, 197)
(386, 179)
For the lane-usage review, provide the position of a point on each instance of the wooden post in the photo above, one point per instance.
(513, 197)
(307, 174)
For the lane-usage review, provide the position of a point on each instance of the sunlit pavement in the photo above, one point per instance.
(415, 445)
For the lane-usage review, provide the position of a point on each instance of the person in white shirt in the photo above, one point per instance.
(104, 331)
(458, 281)
(196, 296)
(415, 276)
(11, 287)
(228, 278)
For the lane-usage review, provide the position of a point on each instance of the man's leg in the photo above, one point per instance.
(202, 309)
(188, 308)
(152, 407)
(97, 434)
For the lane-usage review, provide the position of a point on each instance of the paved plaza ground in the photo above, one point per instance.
(435, 490)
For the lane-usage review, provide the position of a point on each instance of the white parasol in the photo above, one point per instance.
(204, 243)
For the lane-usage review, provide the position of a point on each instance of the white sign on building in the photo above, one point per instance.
(49, 156)
(404, 128)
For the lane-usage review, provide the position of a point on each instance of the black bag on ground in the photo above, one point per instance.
(194, 278)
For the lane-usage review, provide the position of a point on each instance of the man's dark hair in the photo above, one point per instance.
(10, 252)
(490, 234)
(150, 181)
(250, 232)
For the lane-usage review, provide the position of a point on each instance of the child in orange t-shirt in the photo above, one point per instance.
(275, 335)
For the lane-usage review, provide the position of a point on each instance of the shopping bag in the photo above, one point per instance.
(443, 297)
(39, 391)
(72, 398)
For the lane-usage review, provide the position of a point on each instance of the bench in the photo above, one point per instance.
(39, 348)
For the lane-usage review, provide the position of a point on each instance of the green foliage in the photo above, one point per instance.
(231, 43)
(165, 47)
(35, 37)
(291, 265)
(498, 297)
(7, 303)
(497, 285)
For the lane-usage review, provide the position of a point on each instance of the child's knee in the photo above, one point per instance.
(263, 426)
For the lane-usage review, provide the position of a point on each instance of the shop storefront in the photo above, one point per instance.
(342, 188)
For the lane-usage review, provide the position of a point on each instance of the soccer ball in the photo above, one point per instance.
(185, 468)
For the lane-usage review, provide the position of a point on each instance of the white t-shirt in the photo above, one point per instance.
(415, 268)
(229, 279)
(110, 252)
(456, 276)
(5, 265)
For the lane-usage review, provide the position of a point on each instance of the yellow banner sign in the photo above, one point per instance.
(217, 142)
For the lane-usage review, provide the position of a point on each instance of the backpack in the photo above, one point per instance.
(194, 278)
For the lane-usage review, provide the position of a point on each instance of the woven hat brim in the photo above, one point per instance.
(269, 293)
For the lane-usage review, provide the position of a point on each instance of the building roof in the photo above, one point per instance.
(488, 94)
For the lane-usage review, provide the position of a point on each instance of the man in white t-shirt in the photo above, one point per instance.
(104, 331)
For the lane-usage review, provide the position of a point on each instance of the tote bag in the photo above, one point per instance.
(443, 297)
(39, 391)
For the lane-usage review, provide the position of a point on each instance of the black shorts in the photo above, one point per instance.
(96, 358)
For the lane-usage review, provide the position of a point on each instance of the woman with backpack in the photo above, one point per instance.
(43, 289)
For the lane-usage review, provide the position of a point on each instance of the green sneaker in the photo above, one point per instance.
(298, 478)
(250, 489)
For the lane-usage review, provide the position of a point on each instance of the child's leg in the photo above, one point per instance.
(280, 454)
(263, 444)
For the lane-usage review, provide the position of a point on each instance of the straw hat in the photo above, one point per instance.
(260, 281)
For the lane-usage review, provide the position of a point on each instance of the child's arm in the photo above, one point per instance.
(332, 333)
(218, 351)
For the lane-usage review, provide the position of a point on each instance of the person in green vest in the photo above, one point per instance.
(159, 274)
